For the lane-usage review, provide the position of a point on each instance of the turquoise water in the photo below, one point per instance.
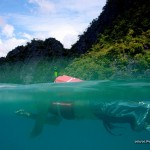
(81, 133)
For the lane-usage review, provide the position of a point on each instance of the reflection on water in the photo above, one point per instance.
(88, 99)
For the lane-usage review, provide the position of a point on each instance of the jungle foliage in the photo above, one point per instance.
(122, 49)
(126, 58)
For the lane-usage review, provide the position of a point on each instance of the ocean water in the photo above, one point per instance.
(83, 133)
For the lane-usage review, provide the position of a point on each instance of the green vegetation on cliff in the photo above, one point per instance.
(124, 58)
(122, 49)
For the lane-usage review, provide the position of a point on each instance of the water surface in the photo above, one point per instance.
(70, 134)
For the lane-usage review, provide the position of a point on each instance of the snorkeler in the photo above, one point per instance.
(56, 112)
(137, 114)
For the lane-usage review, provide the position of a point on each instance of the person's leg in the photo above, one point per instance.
(134, 113)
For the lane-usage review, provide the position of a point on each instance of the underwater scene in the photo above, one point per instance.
(89, 115)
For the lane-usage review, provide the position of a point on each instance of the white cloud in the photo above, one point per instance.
(26, 36)
(81, 5)
(58, 28)
(43, 6)
(86, 8)
(61, 19)
(8, 30)
(66, 34)
(7, 45)
(69, 40)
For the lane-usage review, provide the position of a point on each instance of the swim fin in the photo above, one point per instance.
(109, 127)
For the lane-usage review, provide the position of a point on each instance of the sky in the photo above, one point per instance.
(23, 20)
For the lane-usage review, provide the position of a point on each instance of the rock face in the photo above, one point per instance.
(36, 49)
(97, 26)
(33, 63)
(113, 11)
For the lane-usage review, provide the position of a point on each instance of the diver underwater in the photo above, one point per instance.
(135, 112)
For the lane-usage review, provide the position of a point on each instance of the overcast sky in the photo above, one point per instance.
(23, 20)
